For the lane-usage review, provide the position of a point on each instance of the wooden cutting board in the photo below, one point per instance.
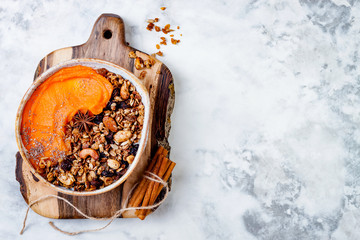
(106, 42)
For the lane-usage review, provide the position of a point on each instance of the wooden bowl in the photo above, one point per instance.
(93, 63)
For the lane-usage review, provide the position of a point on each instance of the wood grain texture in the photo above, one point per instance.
(159, 83)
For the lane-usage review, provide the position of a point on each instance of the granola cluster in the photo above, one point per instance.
(101, 146)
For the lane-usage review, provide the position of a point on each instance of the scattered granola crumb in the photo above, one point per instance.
(163, 8)
(150, 21)
(160, 53)
(132, 54)
(178, 27)
(157, 28)
(171, 35)
(167, 29)
(157, 46)
(163, 42)
(156, 19)
(139, 63)
(180, 34)
(142, 74)
(150, 26)
(174, 41)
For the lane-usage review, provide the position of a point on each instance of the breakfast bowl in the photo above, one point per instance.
(94, 138)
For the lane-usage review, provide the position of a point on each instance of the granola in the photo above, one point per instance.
(101, 147)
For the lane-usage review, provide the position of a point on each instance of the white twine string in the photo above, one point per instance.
(152, 177)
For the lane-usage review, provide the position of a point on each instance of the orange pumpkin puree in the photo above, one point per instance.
(52, 106)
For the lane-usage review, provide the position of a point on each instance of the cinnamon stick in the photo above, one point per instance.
(161, 174)
(140, 190)
(141, 213)
(157, 190)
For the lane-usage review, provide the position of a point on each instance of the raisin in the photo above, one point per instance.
(123, 105)
(102, 155)
(116, 92)
(65, 165)
(102, 71)
(124, 164)
(98, 118)
(106, 173)
(108, 105)
(96, 182)
(110, 138)
(134, 148)
(122, 172)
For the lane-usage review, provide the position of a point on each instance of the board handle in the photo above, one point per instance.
(108, 28)
(106, 41)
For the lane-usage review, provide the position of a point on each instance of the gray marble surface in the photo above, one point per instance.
(265, 130)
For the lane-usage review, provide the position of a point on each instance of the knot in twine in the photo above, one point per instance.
(152, 177)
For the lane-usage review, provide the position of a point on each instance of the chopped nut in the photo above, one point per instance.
(113, 164)
(122, 136)
(130, 159)
(110, 123)
(88, 152)
(139, 64)
(113, 106)
(50, 177)
(42, 163)
(66, 178)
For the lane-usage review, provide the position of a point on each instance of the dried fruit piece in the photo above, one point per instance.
(110, 123)
(124, 92)
(122, 136)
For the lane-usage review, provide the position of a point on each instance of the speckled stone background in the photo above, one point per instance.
(265, 130)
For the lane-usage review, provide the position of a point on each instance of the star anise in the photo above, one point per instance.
(83, 121)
